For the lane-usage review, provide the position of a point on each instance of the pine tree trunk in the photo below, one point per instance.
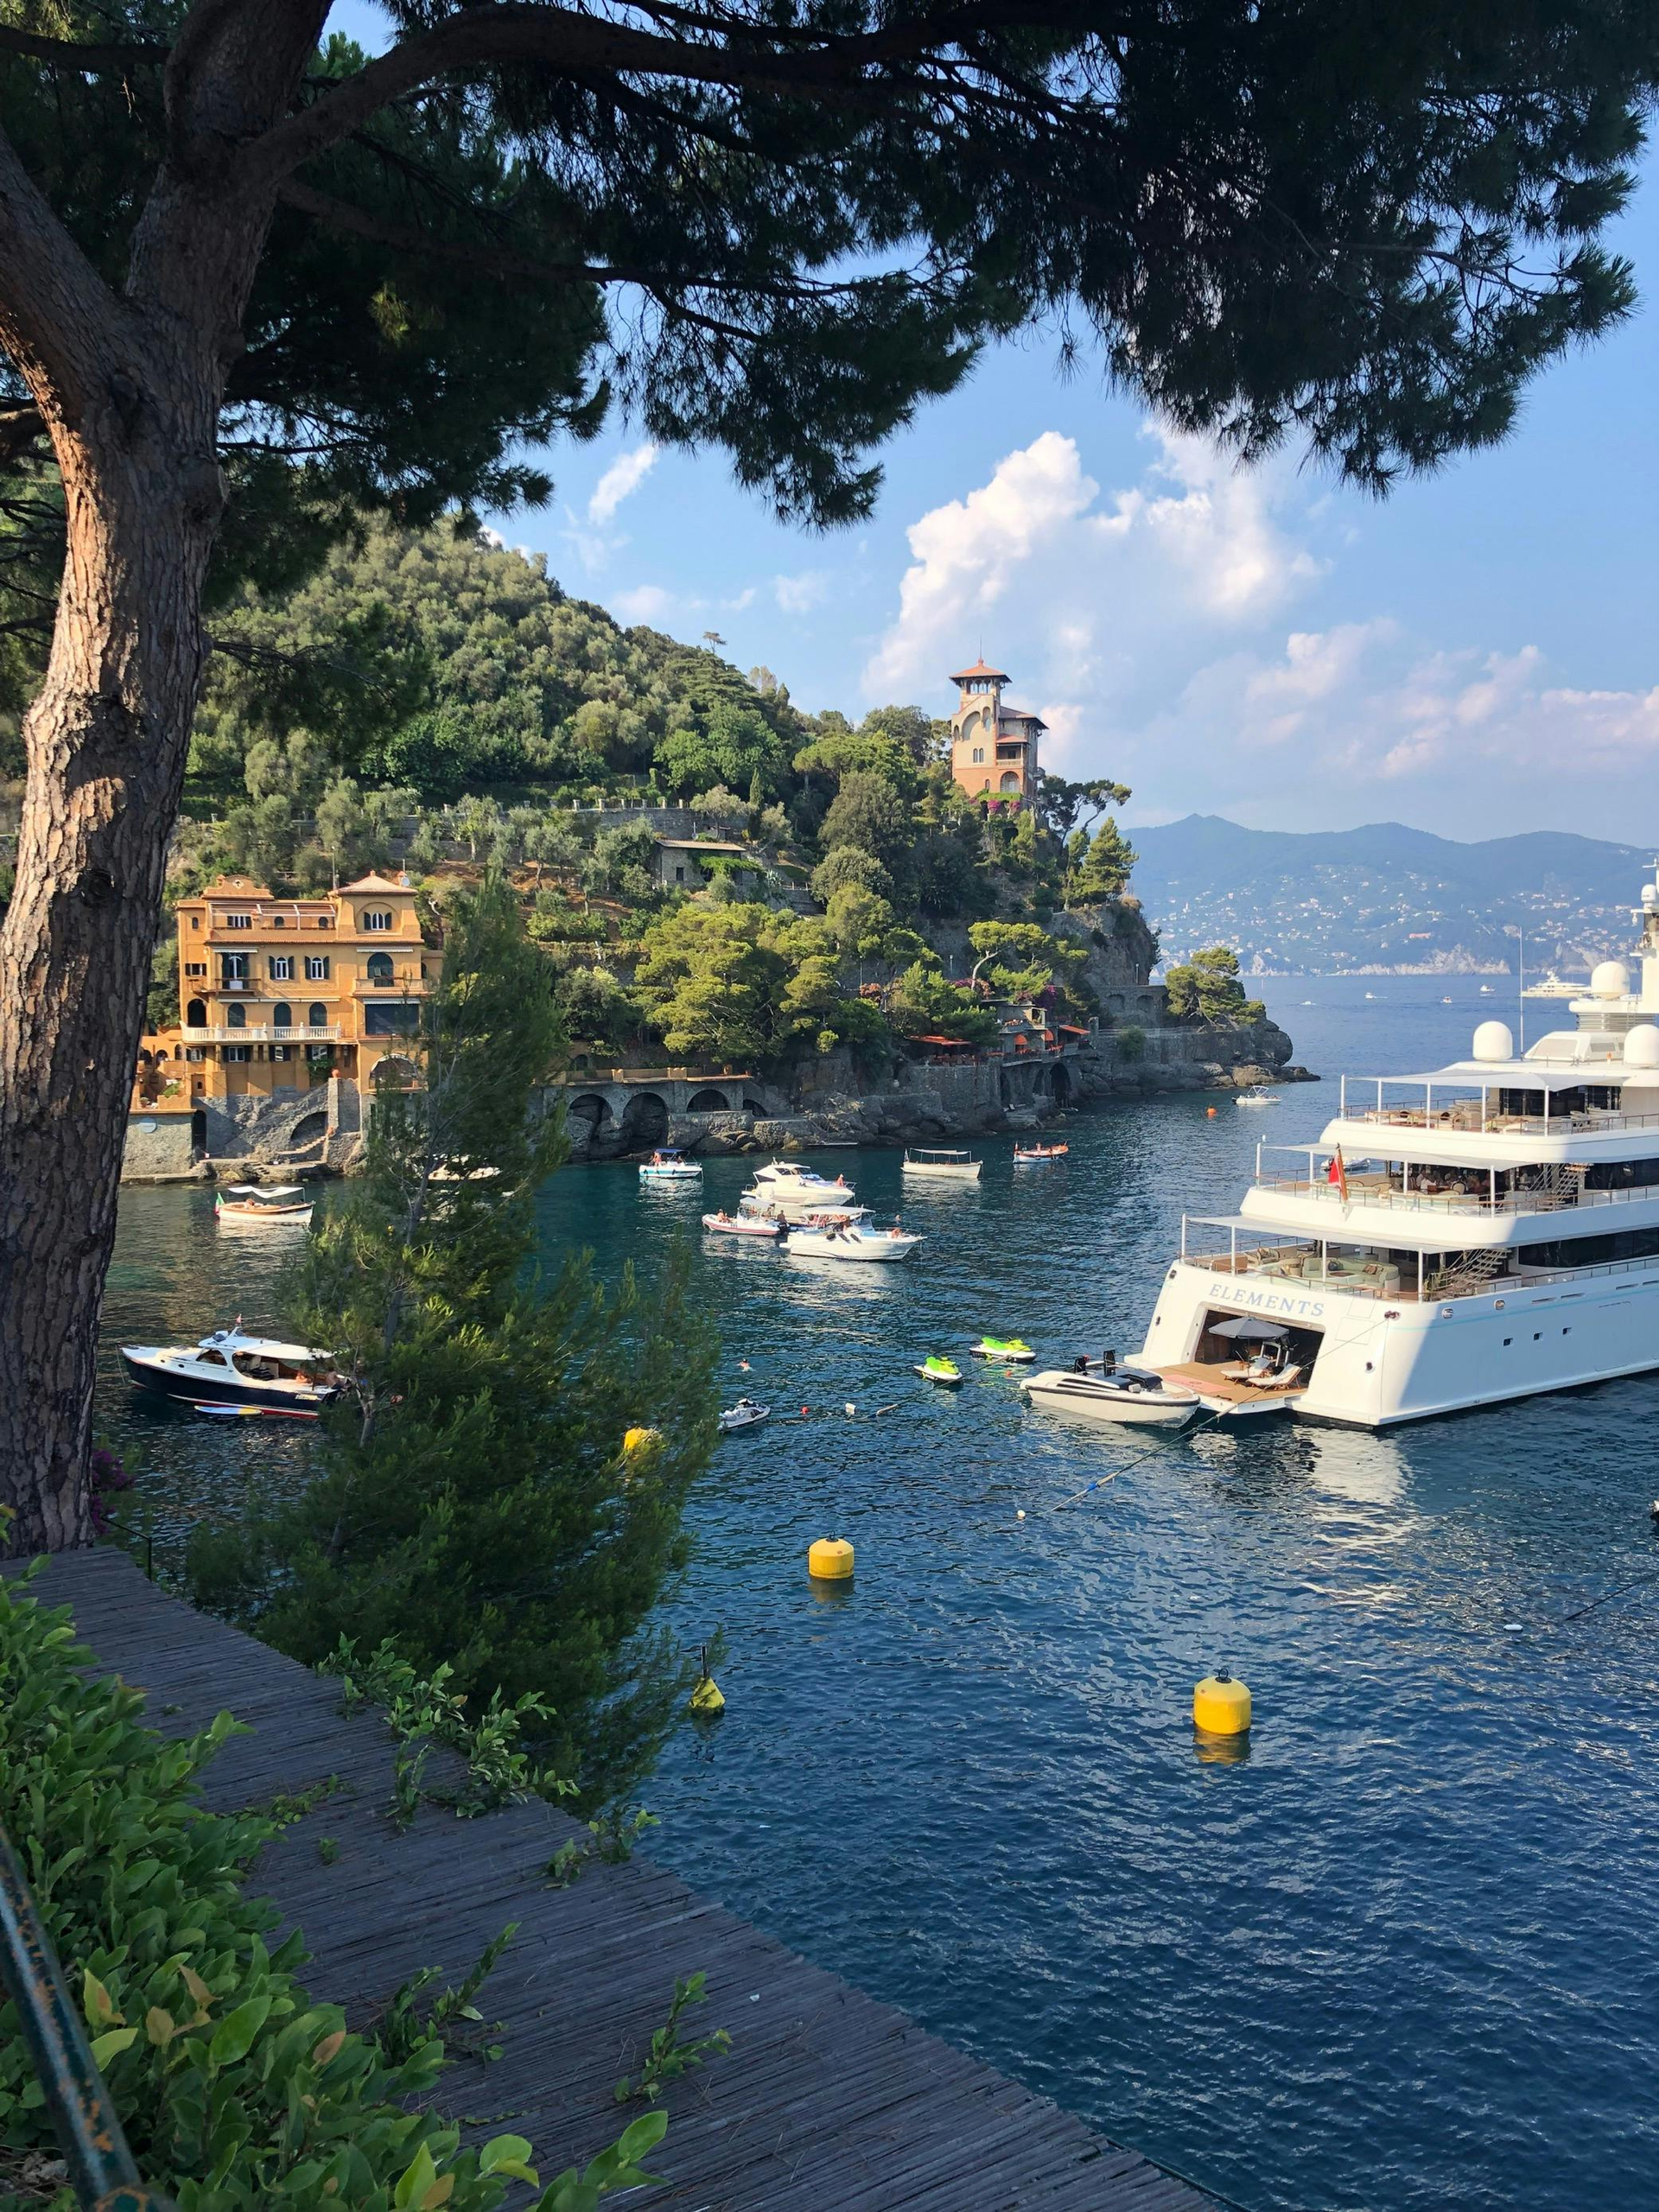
(106, 740)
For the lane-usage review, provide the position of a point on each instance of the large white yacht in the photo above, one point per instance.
(1477, 1233)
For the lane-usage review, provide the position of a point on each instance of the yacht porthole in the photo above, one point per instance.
(1497, 1305)
(1445, 1313)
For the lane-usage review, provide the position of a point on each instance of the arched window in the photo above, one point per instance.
(1011, 781)
(380, 967)
(236, 1017)
(195, 1014)
(281, 1016)
(376, 918)
(318, 1017)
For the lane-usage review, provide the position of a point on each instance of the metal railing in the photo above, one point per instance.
(102, 2170)
(1269, 1260)
(264, 1032)
(1512, 1203)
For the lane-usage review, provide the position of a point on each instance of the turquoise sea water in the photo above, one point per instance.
(1398, 1956)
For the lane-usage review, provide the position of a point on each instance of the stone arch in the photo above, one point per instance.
(394, 1070)
(593, 1109)
(1063, 1085)
(755, 1106)
(645, 1120)
(707, 1101)
(310, 1128)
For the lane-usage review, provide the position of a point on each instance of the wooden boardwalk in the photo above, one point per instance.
(828, 2102)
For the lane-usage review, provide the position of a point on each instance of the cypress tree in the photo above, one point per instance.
(476, 1501)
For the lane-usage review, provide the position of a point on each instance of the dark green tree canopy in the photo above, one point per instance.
(776, 232)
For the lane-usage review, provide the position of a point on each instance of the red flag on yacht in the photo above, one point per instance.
(1336, 1174)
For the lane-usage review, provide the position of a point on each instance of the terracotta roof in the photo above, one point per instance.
(980, 668)
(234, 887)
(374, 883)
(1022, 715)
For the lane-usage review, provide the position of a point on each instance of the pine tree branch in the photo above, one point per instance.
(726, 51)
(72, 54)
(59, 321)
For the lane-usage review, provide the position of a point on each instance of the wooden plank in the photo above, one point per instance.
(829, 2102)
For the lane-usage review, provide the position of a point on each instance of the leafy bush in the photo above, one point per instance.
(235, 2089)
(1131, 1041)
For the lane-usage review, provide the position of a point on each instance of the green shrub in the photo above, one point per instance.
(1131, 1041)
(235, 2089)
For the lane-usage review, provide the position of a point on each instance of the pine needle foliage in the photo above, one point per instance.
(477, 1506)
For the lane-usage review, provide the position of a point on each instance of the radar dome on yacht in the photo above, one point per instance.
(1494, 1042)
(1642, 1046)
(1650, 895)
(1608, 979)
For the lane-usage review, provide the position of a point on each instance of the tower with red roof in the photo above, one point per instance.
(993, 746)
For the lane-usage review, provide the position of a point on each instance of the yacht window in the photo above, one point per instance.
(213, 1359)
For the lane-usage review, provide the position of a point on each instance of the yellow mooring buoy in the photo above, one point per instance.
(830, 1559)
(1221, 1707)
(706, 1697)
(636, 1439)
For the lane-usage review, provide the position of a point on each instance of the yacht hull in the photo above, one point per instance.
(190, 1385)
(1379, 1364)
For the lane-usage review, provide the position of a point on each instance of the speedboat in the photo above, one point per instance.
(745, 1413)
(1118, 1393)
(937, 1368)
(943, 1166)
(669, 1164)
(230, 1370)
(1256, 1095)
(1012, 1351)
(240, 1202)
(1029, 1155)
(754, 1208)
(838, 1236)
(740, 1224)
(789, 1192)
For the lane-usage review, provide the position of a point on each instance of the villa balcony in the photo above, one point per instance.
(263, 1032)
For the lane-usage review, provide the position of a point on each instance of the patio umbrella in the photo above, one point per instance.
(1243, 1324)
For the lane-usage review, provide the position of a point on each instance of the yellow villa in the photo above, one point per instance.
(282, 994)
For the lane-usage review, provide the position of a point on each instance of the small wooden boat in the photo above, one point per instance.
(241, 1203)
(1011, 1351)
(1119, 1394)
(1032, 1155)
(740, 1224)
(229, 1373)
(838, 1236)
(669, 1164)
(943, 1166)
(745, 1413)
(937, 1368)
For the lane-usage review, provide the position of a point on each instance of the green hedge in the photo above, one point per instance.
(236, 2090)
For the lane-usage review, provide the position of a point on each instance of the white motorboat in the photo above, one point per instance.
(837, 1236)
(740, 1224)
(789, 1192)
(1463, 1236)
(943, 1166)
(1256, 1095)
(284, 1204)
(230, 1370)
(668, 1165)
(745, 1413)
(1118, 1393)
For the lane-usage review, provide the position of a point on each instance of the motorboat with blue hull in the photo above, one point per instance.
(229, 1369)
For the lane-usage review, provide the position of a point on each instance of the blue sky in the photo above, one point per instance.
(1478, 654)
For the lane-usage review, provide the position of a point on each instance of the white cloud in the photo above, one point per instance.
(624, 476)
(645, 603)
(799, 595)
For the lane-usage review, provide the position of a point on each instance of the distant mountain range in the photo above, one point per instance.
(1386, 898)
